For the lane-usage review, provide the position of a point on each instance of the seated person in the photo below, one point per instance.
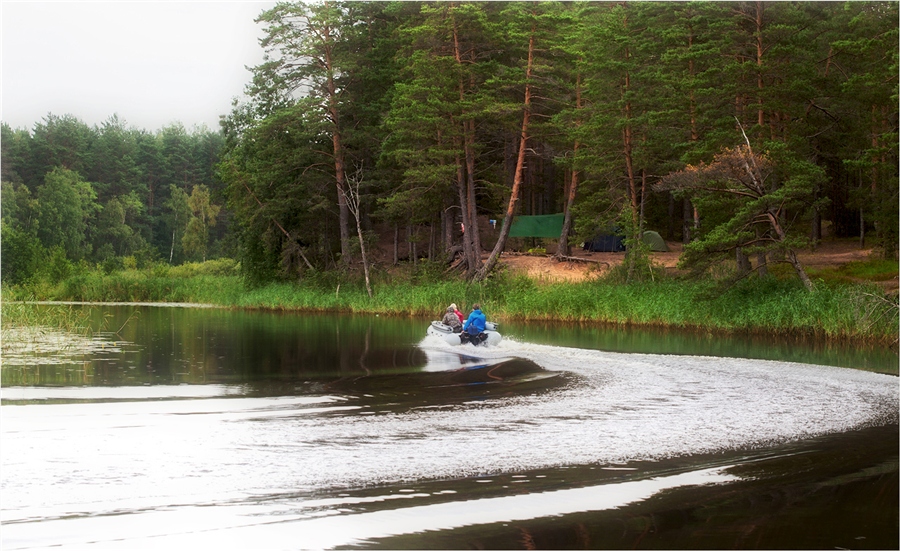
(474, 326)
(458, 313)
(451, 319)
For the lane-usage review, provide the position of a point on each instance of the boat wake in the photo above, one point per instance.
(620, 407)
(469, 415)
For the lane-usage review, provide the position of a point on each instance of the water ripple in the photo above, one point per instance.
(553, 407)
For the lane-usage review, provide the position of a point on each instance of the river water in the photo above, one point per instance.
(180, 427)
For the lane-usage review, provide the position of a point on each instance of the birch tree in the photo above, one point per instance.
(203, 216)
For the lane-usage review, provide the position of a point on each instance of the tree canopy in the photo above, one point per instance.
(105, 193)
(448, 114)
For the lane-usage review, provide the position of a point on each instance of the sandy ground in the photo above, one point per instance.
(828, 254)
(831, 253)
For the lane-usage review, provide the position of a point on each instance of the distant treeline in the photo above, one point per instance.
(741, 128)
(112, 195)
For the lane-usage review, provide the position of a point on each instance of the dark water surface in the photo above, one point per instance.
(211, 428)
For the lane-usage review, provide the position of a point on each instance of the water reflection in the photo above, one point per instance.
(214, 428)
(376, 361)
(213, 346)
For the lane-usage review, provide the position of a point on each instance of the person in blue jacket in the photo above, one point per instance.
(474, 325)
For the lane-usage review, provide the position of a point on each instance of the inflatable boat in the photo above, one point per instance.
(490, 336)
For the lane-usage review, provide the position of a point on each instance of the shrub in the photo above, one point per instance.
(217, 267)
(22, 255)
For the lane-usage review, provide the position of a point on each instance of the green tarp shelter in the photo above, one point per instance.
(655, 241)
(545, 225)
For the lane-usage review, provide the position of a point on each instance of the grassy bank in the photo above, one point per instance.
(834, 310)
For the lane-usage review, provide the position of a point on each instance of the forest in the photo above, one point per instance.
(746, 130)
(111, 195)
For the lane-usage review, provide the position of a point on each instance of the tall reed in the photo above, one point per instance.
(854, 312)
(67, 318)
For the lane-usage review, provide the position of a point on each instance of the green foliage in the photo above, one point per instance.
(66, 207)
(57, 267)
(860, 313)
(640, 267)
(177, 218)
(768, 192)
(19, 208)
(104, 192)
(59, 141)
(426, 271)
(115, 227)
(22, 254)
(203, 215)
(218, 267)
(277, 212)
(871, 270)
(426, 101)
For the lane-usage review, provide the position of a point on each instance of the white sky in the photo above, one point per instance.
(151, 63)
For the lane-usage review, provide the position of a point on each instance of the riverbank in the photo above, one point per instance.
(835, 311)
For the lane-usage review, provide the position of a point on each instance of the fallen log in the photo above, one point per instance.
(563, 258)
(560, 258)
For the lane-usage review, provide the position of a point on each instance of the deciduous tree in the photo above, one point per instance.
(66, 205)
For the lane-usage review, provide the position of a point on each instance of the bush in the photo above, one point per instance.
(111, 264)
(217, 267)
(21, 256)
(426, 271)
(645, 269)
(57, 267)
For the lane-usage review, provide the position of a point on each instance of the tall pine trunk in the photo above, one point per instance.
(466, 178)
(474, 233)
(483, 272)
(628, 142)
(562, 249)
(343, 211)
(472, 257)
(338, 149)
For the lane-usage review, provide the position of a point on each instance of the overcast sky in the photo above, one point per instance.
(151, 63)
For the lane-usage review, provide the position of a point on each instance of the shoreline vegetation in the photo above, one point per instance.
(860, 314)
(460, 132)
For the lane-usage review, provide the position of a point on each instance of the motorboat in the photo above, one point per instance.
(490, 336)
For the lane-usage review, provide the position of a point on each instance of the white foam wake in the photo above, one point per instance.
(100, 458)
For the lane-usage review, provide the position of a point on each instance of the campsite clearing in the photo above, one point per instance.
(829, 254)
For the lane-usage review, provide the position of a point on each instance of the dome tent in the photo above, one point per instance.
(607, 240)
(654, 241)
